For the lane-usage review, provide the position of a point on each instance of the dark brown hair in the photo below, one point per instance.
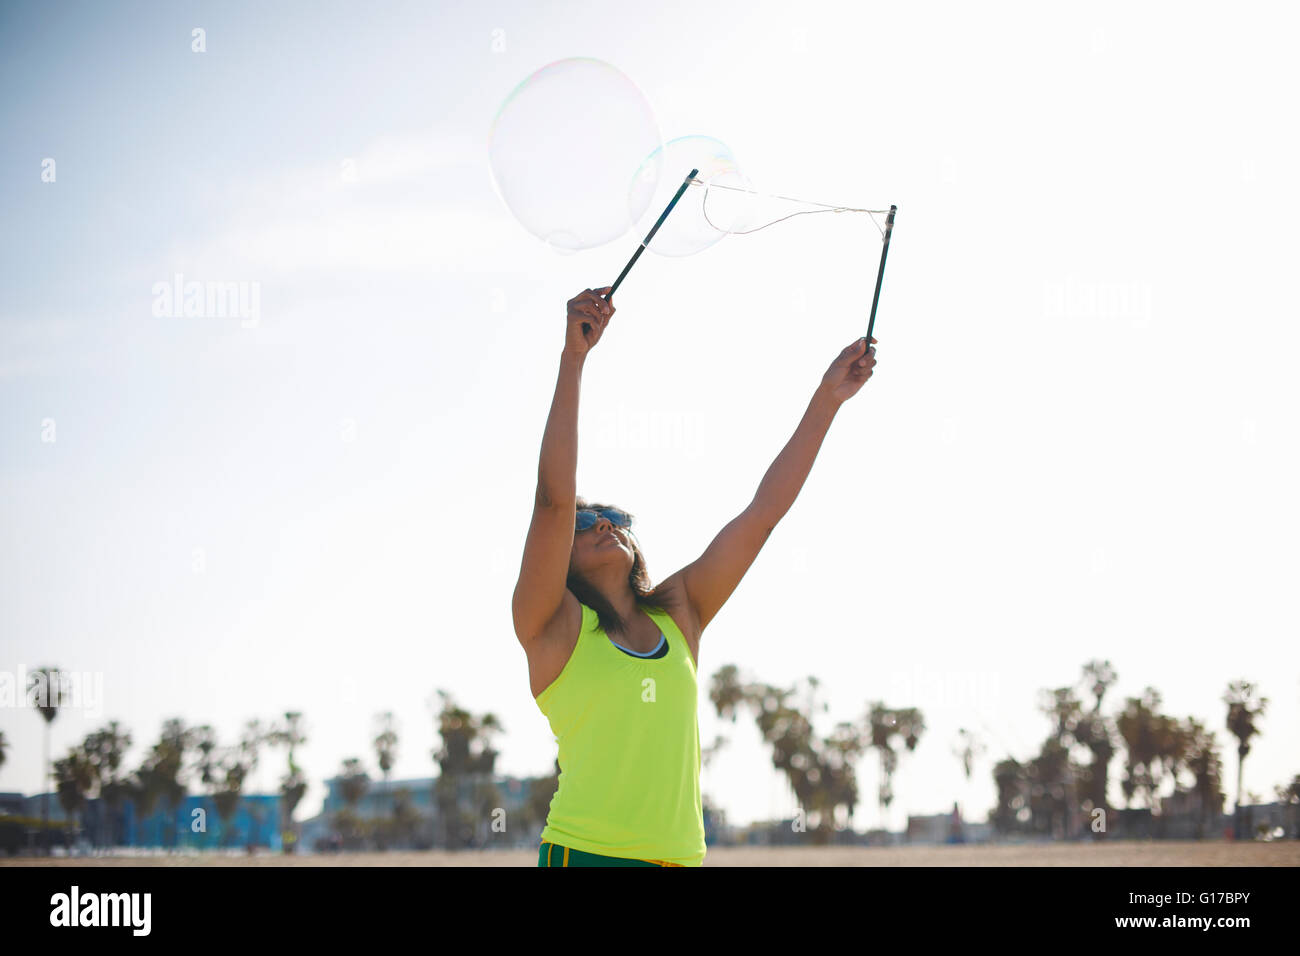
(658, 598)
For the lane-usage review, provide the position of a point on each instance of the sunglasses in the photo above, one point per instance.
(588, 517)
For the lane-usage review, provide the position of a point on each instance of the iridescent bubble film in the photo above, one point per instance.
(563, 147)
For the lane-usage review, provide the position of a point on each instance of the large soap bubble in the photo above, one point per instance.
(564, 146)
(724, 201)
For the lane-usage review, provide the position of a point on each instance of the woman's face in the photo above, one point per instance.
(604, 543)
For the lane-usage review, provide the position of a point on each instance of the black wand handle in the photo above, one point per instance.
(889, 228)
(650, 235)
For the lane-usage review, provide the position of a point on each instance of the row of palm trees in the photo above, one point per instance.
(1056, 792)
(182, 755)
(185, 756)
(464, 791)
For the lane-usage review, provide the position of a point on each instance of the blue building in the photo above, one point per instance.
(512, 795)
(194, 824)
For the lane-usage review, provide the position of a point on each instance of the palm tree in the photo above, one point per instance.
(406, 819)
(142, 790)
(1012, 813)
(163, 771)
(75, 778)
(106, 749)
(1046, 776)
(1150, 740)
(386, 750)
(1243, 707)
(911, 725)
(1066, 710)
(250, 743)
(1202, 762)
(1289, 794)
(465, 759)
(293, 785)
(882, 725)
(1096, 731)
(819, 770)
(353, 784)
(46, 692)
(235, 765)
(967, 748)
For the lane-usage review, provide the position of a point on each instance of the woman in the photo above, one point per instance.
(612, 661)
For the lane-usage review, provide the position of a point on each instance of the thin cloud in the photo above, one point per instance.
(344, 215)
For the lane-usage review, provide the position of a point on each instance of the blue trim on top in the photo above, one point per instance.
(662, 640)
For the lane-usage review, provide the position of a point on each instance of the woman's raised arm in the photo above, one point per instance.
(711, 578)
(545, 566)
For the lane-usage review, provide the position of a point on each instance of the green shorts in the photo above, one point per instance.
(552, 854)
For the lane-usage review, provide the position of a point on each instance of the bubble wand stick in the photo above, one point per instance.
(884, 251)
(650, 235)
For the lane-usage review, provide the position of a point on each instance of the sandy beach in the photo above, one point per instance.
(1119, 853)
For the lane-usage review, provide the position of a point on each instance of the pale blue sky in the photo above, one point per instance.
(1080, 441)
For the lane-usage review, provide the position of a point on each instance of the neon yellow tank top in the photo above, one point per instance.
(629, 736)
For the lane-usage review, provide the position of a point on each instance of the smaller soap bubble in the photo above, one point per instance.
(720, 202)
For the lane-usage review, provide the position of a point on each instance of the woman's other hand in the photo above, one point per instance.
(850, 371)
(588, 316)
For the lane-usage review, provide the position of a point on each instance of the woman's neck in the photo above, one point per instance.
(618, 594)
